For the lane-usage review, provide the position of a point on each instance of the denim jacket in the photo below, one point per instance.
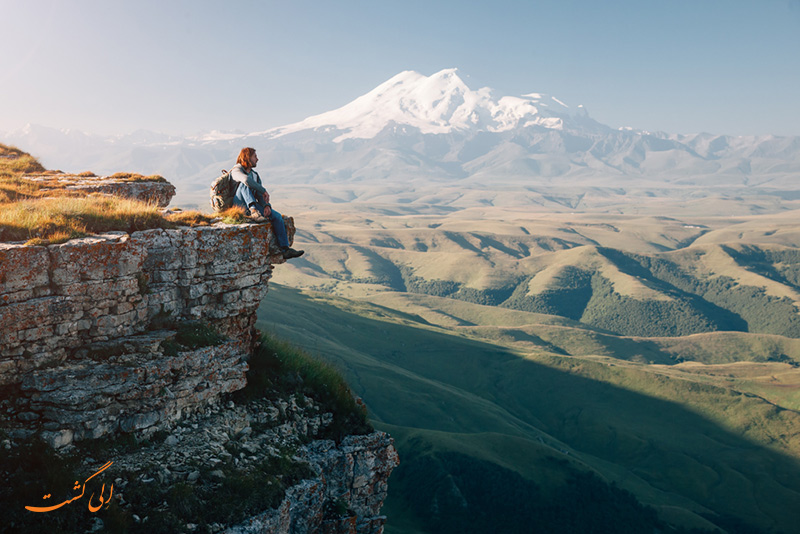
(250, 179)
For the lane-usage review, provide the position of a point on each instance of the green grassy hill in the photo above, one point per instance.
(524, 402)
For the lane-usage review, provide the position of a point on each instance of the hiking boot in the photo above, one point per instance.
(289, 253)
(255, 216)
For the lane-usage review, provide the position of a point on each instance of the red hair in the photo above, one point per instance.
(244, 157)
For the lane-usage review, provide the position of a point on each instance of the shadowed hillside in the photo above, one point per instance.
(650, 340)
(698, 450)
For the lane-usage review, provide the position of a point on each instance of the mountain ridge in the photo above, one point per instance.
(414, 128)
(438, 104)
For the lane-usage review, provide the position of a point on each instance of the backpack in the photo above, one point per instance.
(223, 189)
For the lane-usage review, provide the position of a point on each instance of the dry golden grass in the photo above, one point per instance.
(10, 151)
(14, 166)
(39, 210)
(55, 220)
(189, 218)
(22, 177)
(14, 188)
(11, 165)
(50, 220)
(234, 215)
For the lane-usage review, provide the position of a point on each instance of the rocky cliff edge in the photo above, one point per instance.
(142, 340)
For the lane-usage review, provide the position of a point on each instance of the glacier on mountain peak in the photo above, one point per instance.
(437, 104)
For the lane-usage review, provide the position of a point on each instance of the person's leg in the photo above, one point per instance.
(279, 228)
(246, 199)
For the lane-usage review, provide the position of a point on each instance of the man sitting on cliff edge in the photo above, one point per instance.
(252, 196)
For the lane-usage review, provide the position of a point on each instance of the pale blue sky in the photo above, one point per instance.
(112, 66)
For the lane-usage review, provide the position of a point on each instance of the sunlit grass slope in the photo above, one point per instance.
(55, 220)
(695, 446)
(636, 276)
(37, 207)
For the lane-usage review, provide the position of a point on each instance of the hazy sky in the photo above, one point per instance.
(113, 66)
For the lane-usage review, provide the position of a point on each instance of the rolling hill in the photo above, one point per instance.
(552, 408)
(531, 349)
(668, 279)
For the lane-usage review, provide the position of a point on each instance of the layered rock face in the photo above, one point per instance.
(146, 334)
(342, 494)
(77, 320)
(353, 474)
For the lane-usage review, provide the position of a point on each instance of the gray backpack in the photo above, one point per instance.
(223, 189)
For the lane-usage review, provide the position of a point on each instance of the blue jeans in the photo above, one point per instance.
(245, 198)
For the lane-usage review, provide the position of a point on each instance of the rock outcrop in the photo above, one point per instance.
(77, 321)
(58, 298)
(342, 492)
(148, 334)
(353, 475)
(154, 191)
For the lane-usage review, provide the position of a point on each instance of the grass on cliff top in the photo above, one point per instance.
(44, 221)
(135, 177)
(234, 215)
(16, 186)
(42, 211)
(16, 163)
(55, 220)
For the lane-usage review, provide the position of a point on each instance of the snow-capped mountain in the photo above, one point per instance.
(416, 127)
(437, 104)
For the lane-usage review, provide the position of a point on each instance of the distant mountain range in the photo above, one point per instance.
(436, 128)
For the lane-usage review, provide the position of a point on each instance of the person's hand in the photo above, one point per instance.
(266, 197)
(267, 211)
